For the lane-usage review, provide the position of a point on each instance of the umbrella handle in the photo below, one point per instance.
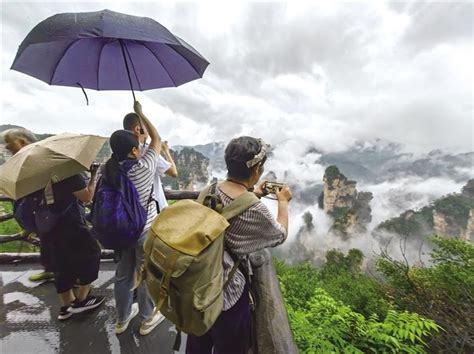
(130, 81)
(84, 91)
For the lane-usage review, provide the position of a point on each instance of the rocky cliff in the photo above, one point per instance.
(214, 152)
(468, 192)
(338, 192)
(468, 233)
(193, 170)
(340, 199)
(450, 216)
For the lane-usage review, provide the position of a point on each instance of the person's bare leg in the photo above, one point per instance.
(67, 297)
(83, 291)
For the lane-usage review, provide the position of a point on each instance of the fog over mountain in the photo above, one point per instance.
(399, 181)
(371, 167)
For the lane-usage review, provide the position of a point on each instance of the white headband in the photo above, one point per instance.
(258, 157)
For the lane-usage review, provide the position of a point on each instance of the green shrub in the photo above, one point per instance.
(325, 325)
(443, 292)
(300, 279)
(342, 278)
(11, 227)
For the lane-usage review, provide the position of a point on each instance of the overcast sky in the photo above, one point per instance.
(310, 75)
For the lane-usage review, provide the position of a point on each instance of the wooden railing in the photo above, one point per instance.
(273, 333)
(9, 258)
(24, 236)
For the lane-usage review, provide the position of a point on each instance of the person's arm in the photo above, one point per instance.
(165, 150)
(87, 194)
(155, 143)
(284, 196)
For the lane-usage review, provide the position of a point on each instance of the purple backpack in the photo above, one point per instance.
(117, 216)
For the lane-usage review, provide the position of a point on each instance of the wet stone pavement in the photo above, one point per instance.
(28, 320)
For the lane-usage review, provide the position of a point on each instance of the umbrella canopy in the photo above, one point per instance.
(107, 50)
(50, 160)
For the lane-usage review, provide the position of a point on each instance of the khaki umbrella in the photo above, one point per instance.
(48, 161)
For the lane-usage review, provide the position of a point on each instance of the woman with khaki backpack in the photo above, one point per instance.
(250, 231)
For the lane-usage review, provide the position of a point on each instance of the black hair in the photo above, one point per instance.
(130, 121)
(237, 153)
(121, 142)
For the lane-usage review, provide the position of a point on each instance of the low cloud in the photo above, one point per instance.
(322, 74)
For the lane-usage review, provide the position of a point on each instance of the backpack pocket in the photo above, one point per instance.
(45, 220)
(207, 294)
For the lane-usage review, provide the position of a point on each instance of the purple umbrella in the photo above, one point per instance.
(107, 50)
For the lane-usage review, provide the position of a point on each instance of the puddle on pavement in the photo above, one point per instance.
(28, 322)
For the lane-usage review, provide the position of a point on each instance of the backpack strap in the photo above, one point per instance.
(236, 207)
(208, 197)
(49, 199)
(204, 192)
(177, 340)
(150, 197)
(236, 266)
(48, 193)
(239, 205)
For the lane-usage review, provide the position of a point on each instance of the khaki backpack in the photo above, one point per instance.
(183, 259)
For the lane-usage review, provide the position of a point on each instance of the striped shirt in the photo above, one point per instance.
(251, 231)
(142, 176)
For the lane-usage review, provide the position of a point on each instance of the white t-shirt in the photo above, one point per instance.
(161, 167)
(159, 194)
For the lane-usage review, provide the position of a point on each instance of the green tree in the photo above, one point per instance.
(342, 278)
(443, 292)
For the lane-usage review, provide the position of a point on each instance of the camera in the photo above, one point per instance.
(273, 187)
(94, 167)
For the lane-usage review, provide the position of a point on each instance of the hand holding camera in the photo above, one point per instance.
(94, 168)
(280, 190)
(284, 194)
(273, 187)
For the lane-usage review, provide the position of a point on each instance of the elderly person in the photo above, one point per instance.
(69, 248)
(15, 139)
(251, 231)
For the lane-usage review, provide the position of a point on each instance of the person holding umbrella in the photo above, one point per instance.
(75, 252)
(165, 163)
(125, 147)
(45, 180)
(15, 139)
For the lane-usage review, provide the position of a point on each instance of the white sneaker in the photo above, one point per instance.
(121, 327)
(149, 324)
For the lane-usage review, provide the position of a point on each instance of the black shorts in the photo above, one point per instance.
(75, 256)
